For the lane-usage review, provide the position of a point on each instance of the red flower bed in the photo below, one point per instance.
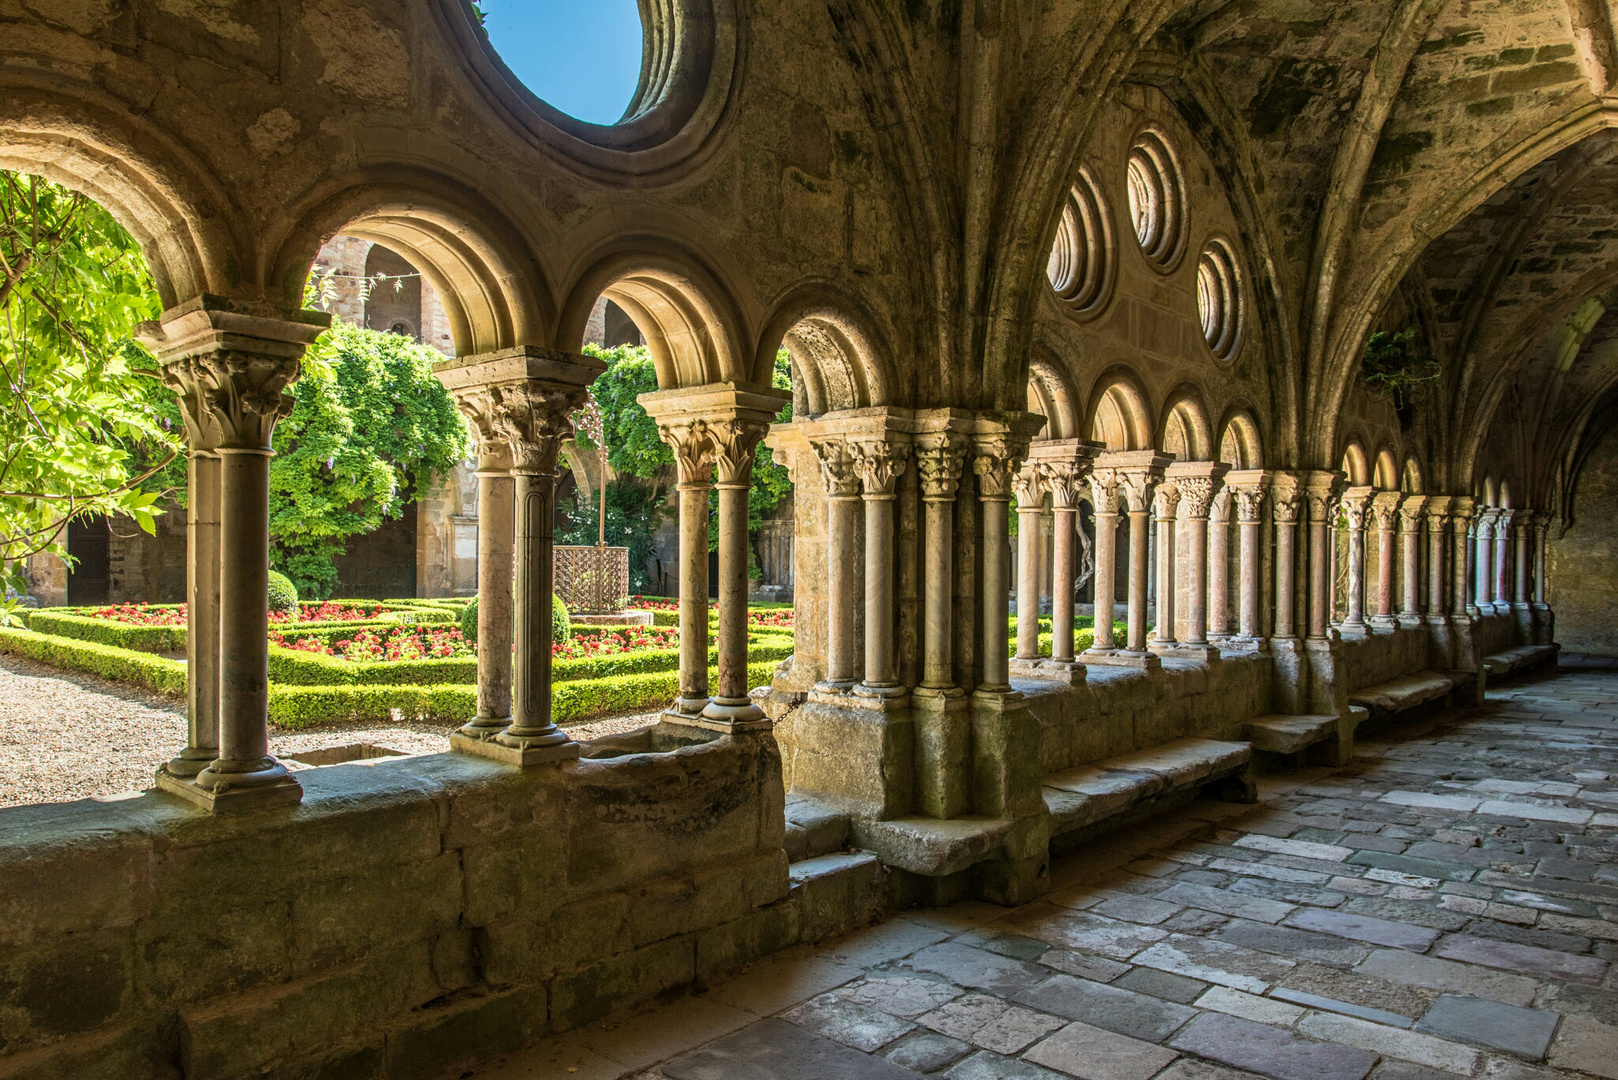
(399, 643)
(142, 614)
(327, 612)
(612, 642)
(646, 603)
(782, 618)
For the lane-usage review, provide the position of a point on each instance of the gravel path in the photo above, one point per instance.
(66, 736)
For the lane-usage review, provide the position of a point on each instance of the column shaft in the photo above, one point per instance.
(1386, 561)
(1436, 578)
(732, 690)
(1355, 617)
(693, 597)
(1217, 554)
(1541, 536)
(202, 617)
(879, 669)
(1196, 611)
(1167, 578)
(1251, 536)
(534, 579)
(1483, 575)
(1520, 594)
(1105, 579)
(997, 593)
(938, 660)
(1028, 579)
(1139, 576)
(1063, 571)
(1286, 578)
(1320, 568)
(841, 510)
(496, 572)
(1502, 555)
(1410, 534)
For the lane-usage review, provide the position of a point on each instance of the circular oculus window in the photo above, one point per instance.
(1156, 200)
(1080, 267)
(1219, 301)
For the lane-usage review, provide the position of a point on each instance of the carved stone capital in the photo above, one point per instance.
(1029, 487)
(1322, 490)
(1385, 509)
(1219, 506)
(1166, 500)
(734, 442)
(838, 468)
(1250, 505)
(1065, 481)
(879, 463)
(1357, 505)
(1137, 489)
(1286, 499)
(940, 457)
(1411, 511)
(694, 449)
(996, 459)
(1138, 473)
(519, 403)
(1196, 495)
(1461, 509)
(1105, 491)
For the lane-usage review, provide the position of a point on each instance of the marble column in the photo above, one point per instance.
(1437, 578)
(1385, 515)
(1166, 510)
(230, 363)
(1139, 472)
(1483, 573)
(1286, 502)
(1248, 496)
(1356, 504)
(1544, 621)
(1464, 551)
(1502, 561)
(879, 462)
(722, 423)
(842, 480)
(1520, 529)
(1105, 497)
(943, 729)
(1064, 477)
(1219, 511)
(1198, 483)
(997, 459)
(1321, 494)
(1410, 518)
(1030, 493)
(519, 403)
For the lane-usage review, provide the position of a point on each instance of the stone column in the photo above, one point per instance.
(1410, 517)
(1522, 612)
(520, 403)
(880, 463)
(1385, 513)
(1064, 466)
(1105, 496)
(1249, 501)
(1502, 563)
(997, 458)
(1483, 574)
(1198, 483)
(230, 363)
(1139, 472)
(1166, 507)
(1030, 496)
(1437, 579)
(1356, 504)
(837, 469)
(1219, 508)
(1462, 603)
(1544, 620)
(722, 423)
(1321, 494)
(1286, 502)
(943, 730)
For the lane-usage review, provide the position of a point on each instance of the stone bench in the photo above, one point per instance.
(1404, 693)
(1330, 739)
(1095, 798)
(1501, 664)
(814, 829)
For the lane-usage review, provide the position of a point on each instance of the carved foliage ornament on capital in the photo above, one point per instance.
(1105, 491)
(939, 459)
(1166, 499)
(1250, 504)
(1065, 481)
(1136, 489)
(693, 448)
(879, 464)
(231, 397)
(1028, 485)
(996, 462)
(532, 421)
(734, 442)
(838, 468)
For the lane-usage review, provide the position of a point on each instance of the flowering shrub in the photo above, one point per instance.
(142, 614)
(781, 617)
(647, 603)
(398, 643)
(633, 639)
(327, 612)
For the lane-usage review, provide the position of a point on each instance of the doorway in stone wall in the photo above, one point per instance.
(89, 543)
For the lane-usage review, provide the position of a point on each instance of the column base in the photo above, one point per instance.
(1124, 658)
(723, 715)
(278, 788)
(1236, 643)
(484, 727)
(943, 751)
(189, 763)
(1410, 620)
(887, 692)
(1384, 623)
(1185, 651)
(1070, 672)
(522, 756)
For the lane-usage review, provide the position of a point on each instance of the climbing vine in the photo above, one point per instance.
(1395, 364)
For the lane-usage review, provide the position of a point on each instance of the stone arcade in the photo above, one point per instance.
(1106, 269)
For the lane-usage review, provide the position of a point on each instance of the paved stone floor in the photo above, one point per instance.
(1446, 906)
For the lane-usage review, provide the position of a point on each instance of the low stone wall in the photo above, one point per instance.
(1496, 632)
(1382, 655)
(408, 917)
(1117, 709)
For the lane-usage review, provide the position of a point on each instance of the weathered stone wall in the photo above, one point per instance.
(1122, 709)
(1497, 633)
(1382, 655)
(406, 918)
(1582, 586)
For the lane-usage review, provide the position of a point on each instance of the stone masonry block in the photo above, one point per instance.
(627, 979)
(768, 930)
(467, 1029)
(130, 1052)
(345, 917)
(69, 987)
(524, 870)
(195, 950)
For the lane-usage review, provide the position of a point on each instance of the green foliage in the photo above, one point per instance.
(633, 446)
(1395, 363)
(148, 639)
(634, 512)
(106, 661)
(372, 430)
(561, 624)
(771, 482)
(283, 594)
(76, 397)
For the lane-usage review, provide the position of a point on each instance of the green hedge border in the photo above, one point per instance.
(67, 623)
(107, 661)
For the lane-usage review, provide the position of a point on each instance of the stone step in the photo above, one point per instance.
(1281, 734)
(814, 829)
(838, 893)
(1091, 794)
(1405, 692)
(1504, 663)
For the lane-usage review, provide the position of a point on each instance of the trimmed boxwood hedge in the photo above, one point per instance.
(147, 639)
(108, 661)
(296, 707)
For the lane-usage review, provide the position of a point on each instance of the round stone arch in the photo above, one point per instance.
(690, 319)
(1119, 416)
(1355, 463)
(1385, 473)
(1185, 431)
(1411, 480)
(1240, 445)
(168, 200)
(493, 289)
(843, 361)
(1051, 395)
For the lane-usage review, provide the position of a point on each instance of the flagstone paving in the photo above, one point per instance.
(1447, 905)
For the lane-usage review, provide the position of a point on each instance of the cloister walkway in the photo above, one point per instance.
(1447, 905)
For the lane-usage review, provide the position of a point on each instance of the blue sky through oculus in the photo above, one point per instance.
(581, 56)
